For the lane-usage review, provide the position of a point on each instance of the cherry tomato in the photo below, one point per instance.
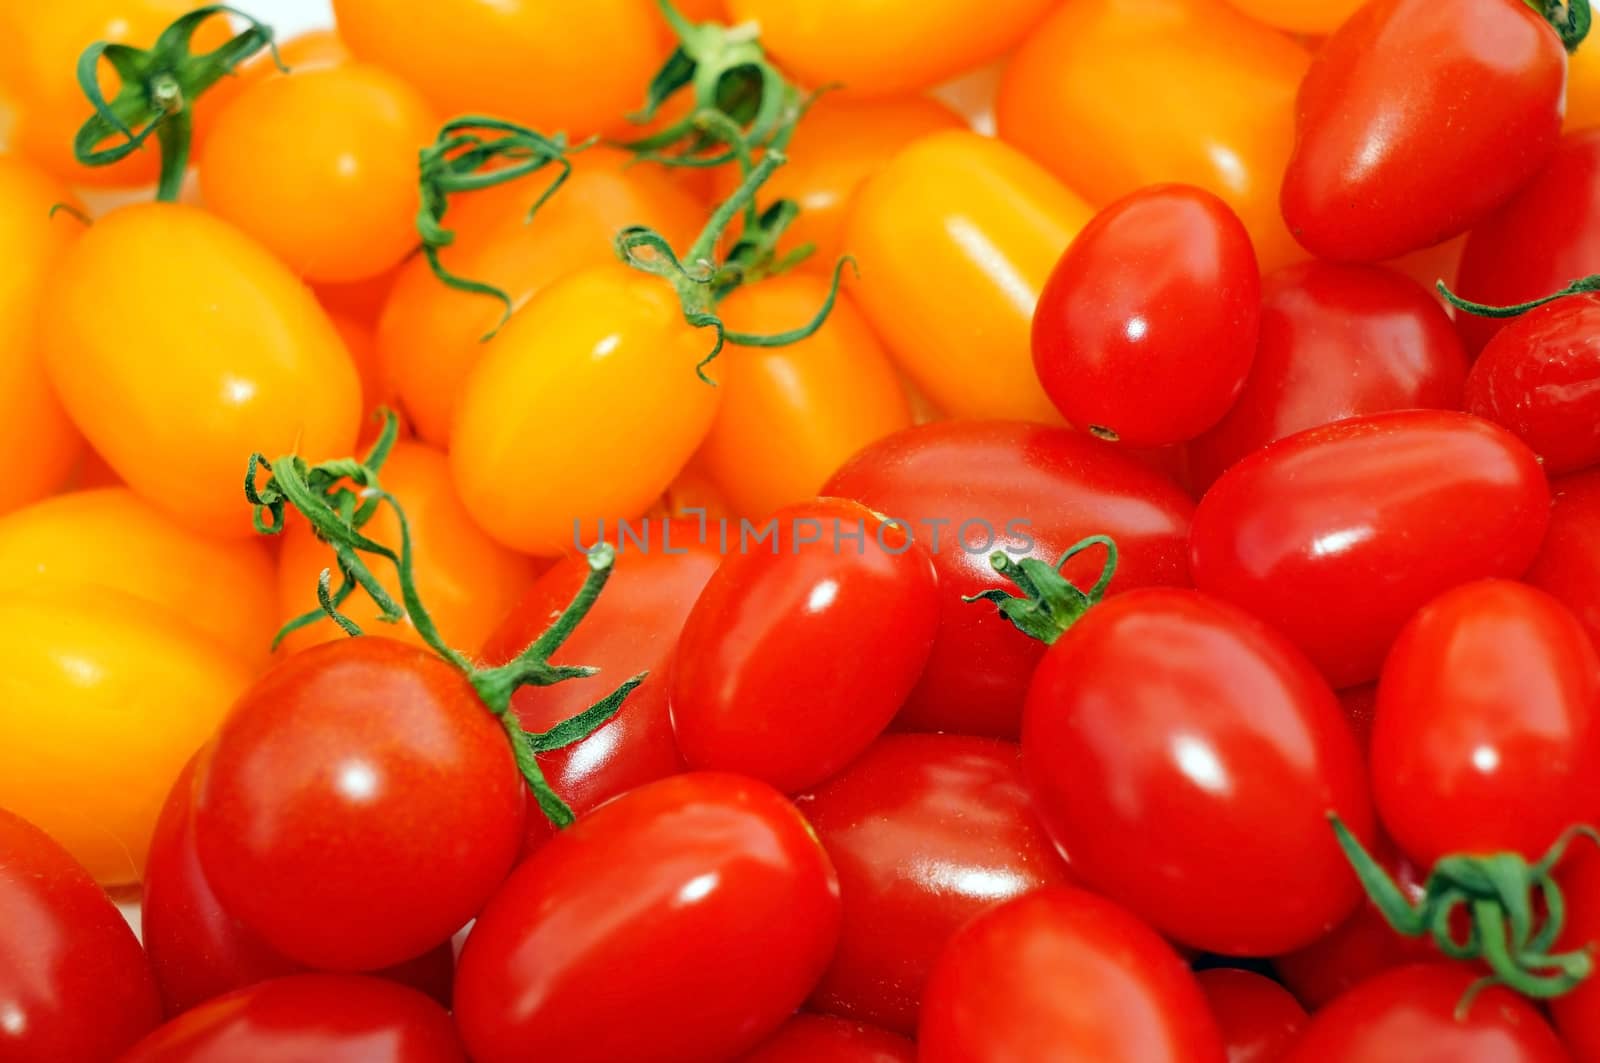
(1336, 535)
(1114, 95)
(1368, 180)
(1310, 17)
(1165, 727)
(1063, 974)
(926, 831)
(328, 1018)
(74, 985)
(954, 239)
(1583, 89)
(360, 805)
(1336, 341)
(1034, 491)
(1413, 1015)
(1360, 704)
(1146, 329)
(1259, 1019)
(179, 347)
(1568, 565)
(1576, 1018)
(823, 1039)
(700, 907)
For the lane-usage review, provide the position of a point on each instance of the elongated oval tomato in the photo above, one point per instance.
(966, 489)
(1368, 180)
(106, 697)
(179, 347)
(1113, 95)
(926, 831)
(1258, 1018)
(654, 907)
(1336, 535)
(825, 1039)
(1063, 974)
(954, 239)
(1311, 17)
(1568, 565)
(75, 985)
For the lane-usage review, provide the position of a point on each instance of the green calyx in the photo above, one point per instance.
(159, 88)
(1581, 286)
(1569, 18)
(1496, 892)
(1048, 604)
(338, 498)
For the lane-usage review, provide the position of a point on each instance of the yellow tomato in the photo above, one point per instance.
(790, 416)
(1113, 95)
(1583, 88)
(112, 538)
(584, 407)
(468, 581)
(179, 346)
(321, 168)
(34, 429)
(1316, 18)
(955, 238)
(430, 335)
(102, 700)
(887, 46)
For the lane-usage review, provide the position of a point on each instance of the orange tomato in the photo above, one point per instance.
(955, 238)
(1113, 95)
(311, 50)
(1583, 88)
(360, 300)
(1317, 18)
(179, 346)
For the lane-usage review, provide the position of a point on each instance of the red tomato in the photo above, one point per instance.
(1336, 535)
(1568, 565)
(1037, 491)
(824, 1039)
(322, 1017)
(1145, 330)
(1416, 120)
(74, 985)
(1360, 703)
(1259, 1019)
(1061, 974)
(1336, 342)
(683, 921)
(1409, 1016)
(1576, 1014)
(926, 831)
(838, 586)
(1164, 728)
(360, 805)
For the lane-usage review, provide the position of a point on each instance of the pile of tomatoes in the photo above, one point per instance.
(800, 531)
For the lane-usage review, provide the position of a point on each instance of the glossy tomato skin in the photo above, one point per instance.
(360, 805)
(1147, 326)
(1568, 565)
(1062, 974)
(747, 692)
(658, 905)
(1336, 535)
(1053, 486)
(825, 1039)
(1408, 1015)
(1367, 180)
(329, 1018)
(1258, 1018)
(926, 831)
(1166, 727)
(75, 986)
(1574, 1014)
(1336, 341)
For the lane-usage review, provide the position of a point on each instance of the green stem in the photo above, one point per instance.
(1581, 286)
(1048, 604)
(1569, 18)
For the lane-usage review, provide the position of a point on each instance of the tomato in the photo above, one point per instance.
(1114, 95)
(180, 347)
(311, 50)
(1583, 89)
(1165, 727)
(926, 831)
(328, 1018)
(1311, 17)
(74, 985)
(701, 907)
(1147, 327)
(1568, 565)
(321, 167)
(790, 416)
(104, 699)
(838, 41)
(838, 586)
(517, 59)
(823, 1039)
(1368, 179)
(1360, 704)
(377, 390)
(110, 537)
(1410, 1015)
(1574, 1013)
(32, 421)
(954, 239)
(1031, 491)
(1336, 341)
(1063, 974)
(360, 805)
(1258, 1017)
(1336, 535)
